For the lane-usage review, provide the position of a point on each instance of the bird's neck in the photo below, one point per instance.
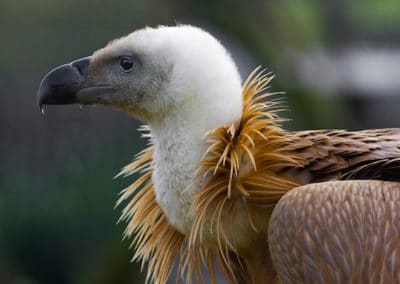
(178, 147)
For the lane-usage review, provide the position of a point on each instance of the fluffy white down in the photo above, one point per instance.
(205, 88)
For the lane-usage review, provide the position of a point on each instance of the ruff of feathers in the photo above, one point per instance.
(243, 164)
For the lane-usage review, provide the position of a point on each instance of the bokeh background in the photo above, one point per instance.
(338, 62)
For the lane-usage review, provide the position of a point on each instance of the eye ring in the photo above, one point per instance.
(126, 63)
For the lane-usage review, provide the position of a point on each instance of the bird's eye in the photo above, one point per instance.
(126, 63)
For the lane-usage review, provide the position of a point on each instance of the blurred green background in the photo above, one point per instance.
(338, 61)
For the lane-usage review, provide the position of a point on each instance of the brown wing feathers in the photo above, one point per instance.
(338, 232)
(339, 154)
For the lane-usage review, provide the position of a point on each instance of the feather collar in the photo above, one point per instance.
(242, 172)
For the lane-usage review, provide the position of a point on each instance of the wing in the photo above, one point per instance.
(338, 232)
(339, 154)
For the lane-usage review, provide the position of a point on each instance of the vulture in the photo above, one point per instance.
(222, 185)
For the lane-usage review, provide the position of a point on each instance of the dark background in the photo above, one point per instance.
(338, 62)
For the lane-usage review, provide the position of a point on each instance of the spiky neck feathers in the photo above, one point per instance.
(229, 197)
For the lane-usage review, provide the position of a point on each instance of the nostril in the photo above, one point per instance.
(82, 66)
(80, 70)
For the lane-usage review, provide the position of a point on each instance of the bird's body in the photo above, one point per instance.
(219, 160)
(229, 214)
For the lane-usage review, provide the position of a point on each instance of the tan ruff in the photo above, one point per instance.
(244, 164)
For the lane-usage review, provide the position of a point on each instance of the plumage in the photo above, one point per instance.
(248, 167)
(308, 243)
(219, 162)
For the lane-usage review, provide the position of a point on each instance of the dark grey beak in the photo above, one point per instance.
(61, 85)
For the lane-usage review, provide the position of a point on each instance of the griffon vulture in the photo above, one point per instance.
(223, 183)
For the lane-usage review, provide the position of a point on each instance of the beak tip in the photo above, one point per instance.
(41, 94)
(61, 84)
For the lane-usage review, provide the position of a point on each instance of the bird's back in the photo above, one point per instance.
(346, 155)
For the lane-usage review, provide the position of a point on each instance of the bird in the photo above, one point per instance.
(222, 184)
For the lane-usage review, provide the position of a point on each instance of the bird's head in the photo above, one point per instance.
(153, 73)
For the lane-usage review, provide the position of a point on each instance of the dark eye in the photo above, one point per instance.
(126, 63)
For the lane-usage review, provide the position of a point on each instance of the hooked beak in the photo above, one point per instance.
(69, 84)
